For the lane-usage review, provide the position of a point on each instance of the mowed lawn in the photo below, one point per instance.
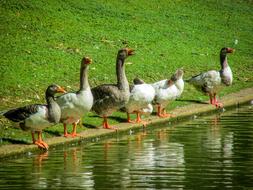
(43, 42)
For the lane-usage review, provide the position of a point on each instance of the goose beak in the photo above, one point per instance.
(87, 60)
(130, 51)
(61, 90)
(230, 50)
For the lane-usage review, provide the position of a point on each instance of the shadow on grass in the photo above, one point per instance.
(192, 101)
(15, 141)
(118, 119)
(54, 133)
(89, 126)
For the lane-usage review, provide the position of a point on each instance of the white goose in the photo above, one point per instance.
(167, 91)
(141, 97)
(211, 82)
(75, 104)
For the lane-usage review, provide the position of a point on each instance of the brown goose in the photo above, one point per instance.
(75, 104)
(211, 82)
(36, 117)
(111, 97)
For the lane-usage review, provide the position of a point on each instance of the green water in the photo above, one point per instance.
(214, 152)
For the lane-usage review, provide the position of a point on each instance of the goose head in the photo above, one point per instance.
(226, 50)
(223, 56)
(124, 53)
(53, 89)
(86, 61)
(176, 76)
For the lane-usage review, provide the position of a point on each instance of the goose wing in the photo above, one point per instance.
(22, 113)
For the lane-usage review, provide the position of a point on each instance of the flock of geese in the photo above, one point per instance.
(105, 99)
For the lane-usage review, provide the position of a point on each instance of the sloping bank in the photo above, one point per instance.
(89, 135)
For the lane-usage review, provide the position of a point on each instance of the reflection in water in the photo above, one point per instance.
(211, 152)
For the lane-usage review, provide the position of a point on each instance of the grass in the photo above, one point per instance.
(43, 42)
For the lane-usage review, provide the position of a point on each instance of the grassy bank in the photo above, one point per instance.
(42, 42)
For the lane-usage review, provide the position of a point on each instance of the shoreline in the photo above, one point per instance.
(91, 135)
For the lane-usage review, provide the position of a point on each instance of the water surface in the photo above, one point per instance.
(214, 152)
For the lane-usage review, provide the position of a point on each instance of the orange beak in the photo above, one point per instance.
(61, 90)
(88, 60)
(230, 50)
(130, 51)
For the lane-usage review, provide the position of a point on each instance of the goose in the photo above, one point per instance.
(75, 104)
(109, 98)
(167, 91)
(141, 97)
(211, 82)
(37, 117)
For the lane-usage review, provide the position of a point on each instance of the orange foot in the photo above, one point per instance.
(67, 135)
(107, 126)
(130, 121)
(74, 134)
(42, 144)
(138, 120)
(218, 105)
(164, 115)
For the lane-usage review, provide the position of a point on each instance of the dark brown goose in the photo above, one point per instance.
(109, 98)
(37, 117)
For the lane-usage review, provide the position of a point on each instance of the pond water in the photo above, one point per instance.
(214, 152)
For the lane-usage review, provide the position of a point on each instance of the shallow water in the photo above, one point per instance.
(214, 152)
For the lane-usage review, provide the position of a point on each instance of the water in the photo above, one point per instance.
(214, 152)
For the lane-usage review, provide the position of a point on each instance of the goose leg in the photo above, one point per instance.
(106, 124)
(40, 142)
(216, 103)
(138, 119)
(129, 119)
(211, 98)
(167, 114)
(65, 130)
(74, 134)
(33, 138)
(159, 111)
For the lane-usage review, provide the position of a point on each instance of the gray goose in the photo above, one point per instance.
(75, 104)
(37, 117)
(211, 82)
(109, 98)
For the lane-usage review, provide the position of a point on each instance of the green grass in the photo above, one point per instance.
(43, 42)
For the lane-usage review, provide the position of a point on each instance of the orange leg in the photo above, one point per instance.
(167, 114)
(65, 130)
(106, 124)
(40, 142)
(74, 134)
(161, 112)
(129, 119)
(138, 119)
(215, 102)
(33, 138)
